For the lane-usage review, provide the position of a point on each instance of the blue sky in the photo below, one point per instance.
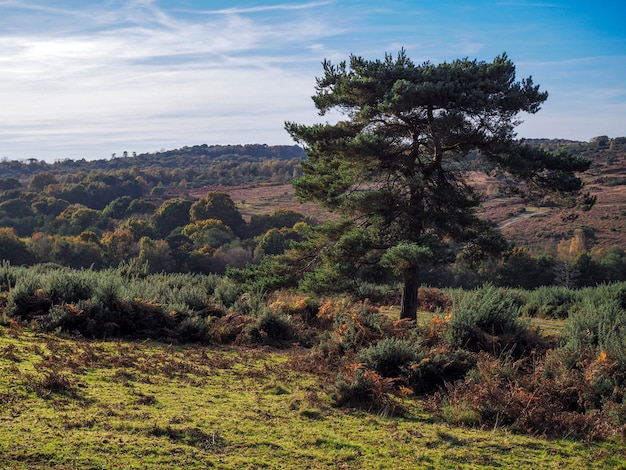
(85, 79)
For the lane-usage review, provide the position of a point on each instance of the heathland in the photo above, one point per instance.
(134, 335)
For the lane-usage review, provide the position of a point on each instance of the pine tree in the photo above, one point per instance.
(397, 165)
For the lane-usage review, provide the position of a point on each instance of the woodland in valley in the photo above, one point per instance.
(139, 209)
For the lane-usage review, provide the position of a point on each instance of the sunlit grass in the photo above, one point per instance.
(67, 403)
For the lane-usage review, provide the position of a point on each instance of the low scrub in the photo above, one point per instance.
(390, 357)
(473, 356)
(359, 387)
(272, 329)
(550, 302)
(486, 319)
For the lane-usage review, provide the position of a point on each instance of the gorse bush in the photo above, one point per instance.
(251, 303)
(599, 328)
(108, 304)
(8, 276)
(194, 329)
(26, 300)
(272, 329)
(480, 315)
(108, 292)
(65, 285)
(227, 292)
(390, 357)
(550, 302)
(194, 298)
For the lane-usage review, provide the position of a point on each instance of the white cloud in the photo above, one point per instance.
(265, 8)
(140, 79)
(531, 5)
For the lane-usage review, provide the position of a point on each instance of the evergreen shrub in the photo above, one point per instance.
(479, 317)
(26, 300)
(550, 302)
(8, 276)
(227, 292)
(272, 329)
(599, 328)
(69, 286)
(194, 329)
(390, 357)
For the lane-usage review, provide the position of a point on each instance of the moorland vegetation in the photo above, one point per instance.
(523, 333)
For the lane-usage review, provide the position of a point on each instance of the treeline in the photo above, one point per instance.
(98, 214)
(199, 165)
(576, 263)
(67, 198)
(573, 266)
(601, 142)
(208, 235)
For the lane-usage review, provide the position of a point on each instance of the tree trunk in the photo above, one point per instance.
(409, 293)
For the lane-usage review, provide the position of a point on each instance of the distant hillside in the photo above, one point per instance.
(197, 156)
(541, 228)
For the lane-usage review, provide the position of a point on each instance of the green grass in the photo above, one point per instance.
(67, 403)
(549, 326)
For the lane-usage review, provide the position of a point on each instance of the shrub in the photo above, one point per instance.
(26, 300)
(64, 318)
(228, 328)
(373, 292)
(194, 329)
(68, 286)
(390, 357)
(359, 327)
(550, 302)
(251, 303)
(193, 297)
(362, 388)
(437, 367)
(107, 292)
(227, 292)
(8, 276)
(271, 329)
(599, 328)
(293, 304)
(480, 316)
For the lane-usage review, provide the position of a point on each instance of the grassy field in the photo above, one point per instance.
(68, 403)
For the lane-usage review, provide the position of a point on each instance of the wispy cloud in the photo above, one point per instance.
(266, 8)
(139, 74)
